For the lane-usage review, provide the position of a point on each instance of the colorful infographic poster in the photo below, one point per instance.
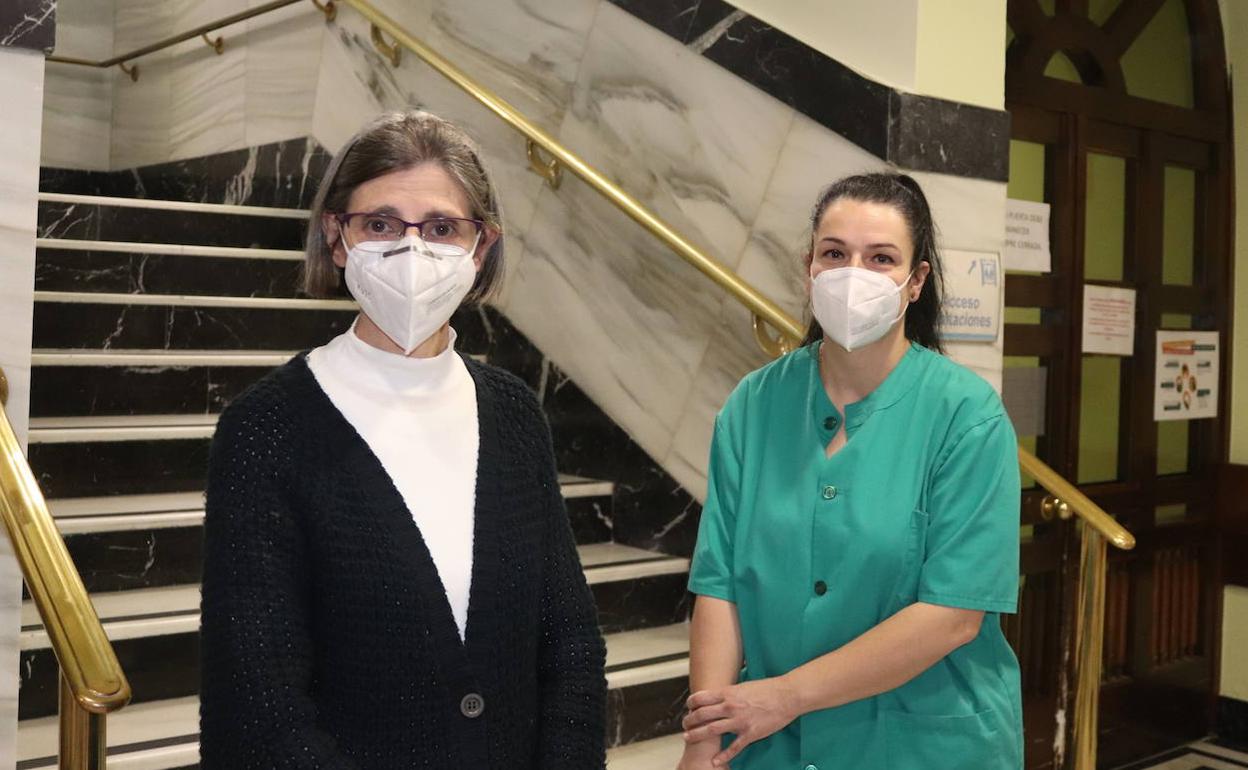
(1187, 375)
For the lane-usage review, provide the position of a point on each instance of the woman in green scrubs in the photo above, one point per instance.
(860, 532)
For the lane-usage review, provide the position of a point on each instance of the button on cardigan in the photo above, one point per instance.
(327, 639)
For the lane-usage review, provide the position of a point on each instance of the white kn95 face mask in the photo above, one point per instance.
(409, 287)
(854, 305)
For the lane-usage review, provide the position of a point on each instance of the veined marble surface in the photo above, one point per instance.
(78, 101)
(28, 24)
(21, 81)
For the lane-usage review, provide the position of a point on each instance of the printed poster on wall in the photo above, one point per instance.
(972, 306)
(1108, 320)
(1187, 376)
(1027, 237)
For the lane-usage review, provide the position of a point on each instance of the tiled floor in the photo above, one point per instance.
(1204, 755)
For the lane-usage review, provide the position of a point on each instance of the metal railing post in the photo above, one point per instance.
(83, 738)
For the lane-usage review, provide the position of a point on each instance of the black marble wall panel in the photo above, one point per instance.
(28, 24)
(158, 667)
(120, 468)
(121, 223)
(128, 273)
(590, 517)
(645, 711)
(80, 325)
(1232, 723)
(77, 391)
(916, 132)
(283, 174)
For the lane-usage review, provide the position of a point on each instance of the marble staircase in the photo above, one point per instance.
(150, 317)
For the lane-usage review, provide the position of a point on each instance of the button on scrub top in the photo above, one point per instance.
(921, 505)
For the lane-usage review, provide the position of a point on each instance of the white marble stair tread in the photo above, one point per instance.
(131, 733)
(655, 754)
(112, 513)
(193, 300)
(610, 562)
(160, 358)
(126, 427)
(647, 655)
(170, 249)
(168, 205)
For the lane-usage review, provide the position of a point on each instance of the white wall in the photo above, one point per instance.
(951, 49)
(21, 82)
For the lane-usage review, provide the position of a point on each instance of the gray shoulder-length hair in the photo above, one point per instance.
(393, 142)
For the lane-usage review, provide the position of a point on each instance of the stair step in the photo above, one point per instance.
(119, 513)
(169, 249)
(168, 205)
(174, 609)
(655, 753)
(112, 428)
(162, 358)
(190, 300)
(164, 733)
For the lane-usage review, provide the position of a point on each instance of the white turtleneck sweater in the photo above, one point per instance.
(419, 416)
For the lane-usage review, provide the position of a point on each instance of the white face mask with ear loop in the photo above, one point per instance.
(410, 287)
(852, 305)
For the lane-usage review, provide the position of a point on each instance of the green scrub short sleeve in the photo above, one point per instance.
(971, 558)
(711, 573)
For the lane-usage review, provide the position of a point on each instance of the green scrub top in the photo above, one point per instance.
(921, 505)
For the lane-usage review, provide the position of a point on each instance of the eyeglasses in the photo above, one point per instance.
(361, 227)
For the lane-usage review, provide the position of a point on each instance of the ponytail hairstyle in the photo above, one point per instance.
(904, 194)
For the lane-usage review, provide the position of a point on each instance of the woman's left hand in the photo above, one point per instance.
(751, 710)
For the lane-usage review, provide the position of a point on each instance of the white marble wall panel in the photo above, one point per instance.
(208, 90)
(21, 82)
(283, 60)
(78, 101)
(142, 110)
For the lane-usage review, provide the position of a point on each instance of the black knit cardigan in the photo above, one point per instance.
(327, 638)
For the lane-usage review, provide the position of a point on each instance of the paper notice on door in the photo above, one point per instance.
(1027, 237)
(1187, 375)
(1108, 320)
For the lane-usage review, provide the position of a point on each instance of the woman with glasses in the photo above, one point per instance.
(390, 579)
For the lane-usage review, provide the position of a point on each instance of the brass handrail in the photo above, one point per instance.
(791, 330)
(1067, 494)
(202, 30)
(92, 682)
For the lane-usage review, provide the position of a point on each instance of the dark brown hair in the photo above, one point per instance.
(904, 194)
(393, 142)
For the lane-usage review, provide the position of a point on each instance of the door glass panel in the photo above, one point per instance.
(1176, 321)
(1168, 514)
(1106, 217)
(1172, 446)
(1158, 64)
(1062, 68)
(1099, 409)
(1099, 11)
(1026, 171)
(1179, 231)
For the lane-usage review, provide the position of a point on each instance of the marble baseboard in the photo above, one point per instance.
(119, 272)
(907, 130)
(121, 468)
(149, 327)
(283, 174)
(158, 667)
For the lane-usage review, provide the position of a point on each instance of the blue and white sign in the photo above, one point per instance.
(972, 307)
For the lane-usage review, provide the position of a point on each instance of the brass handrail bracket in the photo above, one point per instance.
(217, 45)
(4, 389)
(389, 50)
(1055, 508)
(330, 9)
(547, 168)
(132, 71)
(772, 346)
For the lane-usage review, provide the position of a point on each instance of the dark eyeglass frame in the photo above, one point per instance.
(344, 221)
